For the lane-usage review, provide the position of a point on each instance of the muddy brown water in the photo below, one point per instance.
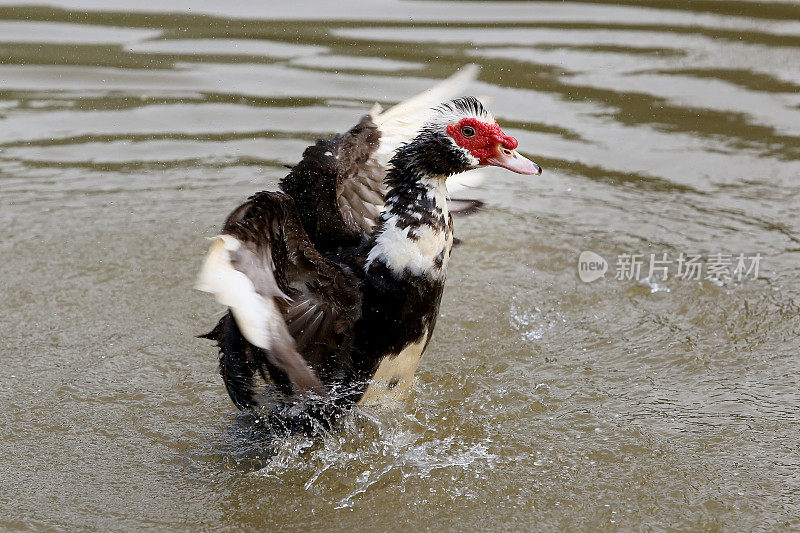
(544, 402)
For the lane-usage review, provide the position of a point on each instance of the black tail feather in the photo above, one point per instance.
(460, 207)
(236, 366)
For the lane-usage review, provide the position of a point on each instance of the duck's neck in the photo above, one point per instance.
(415, 232)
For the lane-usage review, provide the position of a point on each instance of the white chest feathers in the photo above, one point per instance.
(413, 241)
(392, 381)
(422, 249)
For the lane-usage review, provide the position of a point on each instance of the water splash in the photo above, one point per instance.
(373, 448)
(532, 323)
(653, 285)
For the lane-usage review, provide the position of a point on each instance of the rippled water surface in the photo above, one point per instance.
(128, 132)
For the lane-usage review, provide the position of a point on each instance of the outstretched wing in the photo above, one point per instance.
(338, 186)
(294, 308)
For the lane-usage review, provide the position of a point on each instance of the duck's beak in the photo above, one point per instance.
(514, 162)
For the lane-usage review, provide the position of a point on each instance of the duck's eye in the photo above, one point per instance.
(468, 131)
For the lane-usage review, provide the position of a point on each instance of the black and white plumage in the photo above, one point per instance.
(333, 285)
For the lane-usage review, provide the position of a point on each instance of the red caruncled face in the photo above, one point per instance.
(480, 138)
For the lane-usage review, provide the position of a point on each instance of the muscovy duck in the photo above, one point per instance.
(333, 285)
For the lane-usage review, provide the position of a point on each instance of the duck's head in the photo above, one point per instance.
(462, 135)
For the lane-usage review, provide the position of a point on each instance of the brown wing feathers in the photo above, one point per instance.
(338, 188)
(318, 302)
